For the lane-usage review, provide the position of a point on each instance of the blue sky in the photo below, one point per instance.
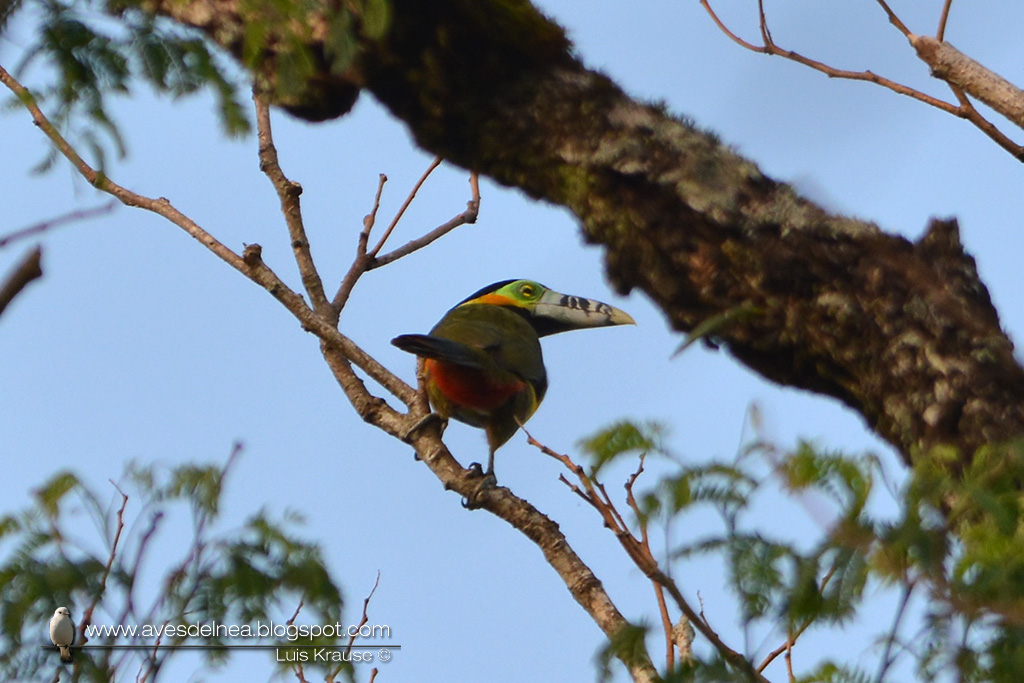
(139, 344)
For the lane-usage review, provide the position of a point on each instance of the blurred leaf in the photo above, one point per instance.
(52, 492)
(262, 571)
(621, 438)
(755, 573)
(340, 44)
(92, 54)
(830, 672)
(376, 18)
(627, 644)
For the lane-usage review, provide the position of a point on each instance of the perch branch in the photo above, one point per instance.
(340, 354)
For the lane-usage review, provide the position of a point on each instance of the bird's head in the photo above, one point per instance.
(548, 311)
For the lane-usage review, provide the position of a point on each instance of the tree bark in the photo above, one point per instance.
(904, 333)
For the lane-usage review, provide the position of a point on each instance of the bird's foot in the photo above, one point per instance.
(487, 482)
(423, 422)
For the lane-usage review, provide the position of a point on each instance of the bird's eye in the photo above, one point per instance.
(527, 291)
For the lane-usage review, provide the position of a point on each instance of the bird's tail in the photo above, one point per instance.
(427, 346)
(65, 654)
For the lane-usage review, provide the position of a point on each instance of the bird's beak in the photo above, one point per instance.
(555, 312)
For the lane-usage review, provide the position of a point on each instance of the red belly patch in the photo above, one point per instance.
(470, 387)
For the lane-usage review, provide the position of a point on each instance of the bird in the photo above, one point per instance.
(483, 359)
(62, 632)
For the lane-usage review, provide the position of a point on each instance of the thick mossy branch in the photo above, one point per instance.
(902, 332)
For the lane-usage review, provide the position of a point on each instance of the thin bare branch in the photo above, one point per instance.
(940, 34)
(340, 354)
(295, 614)
(366, 606)
(405, 205)
(887, 658)
(288, 192)
(831, 72)
(251, 266)
(467, 216)
(86, 618)
(644, 559)
(371, 218)
(789, 661)
(893, 19)
(368, 260)
(991, 88)
(101, 182)
(762, 20)
(63, 219)
(25, 271)
(362, 260)
(732, 36)
(659, 590)
(792, 637)
(969, 112)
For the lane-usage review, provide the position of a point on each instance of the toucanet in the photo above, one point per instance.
(483, 359)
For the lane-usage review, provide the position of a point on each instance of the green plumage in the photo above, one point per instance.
(484, 364)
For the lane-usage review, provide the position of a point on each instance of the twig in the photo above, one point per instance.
(368, 259)
(101, 182)
(997, 93)
(644, 559)
(871, 77)
(762, 21)
(366, 606)
(371, 218)
(63, 219)
(893, 19)
(362, 260)
(405, 205)
(288, 192)
(295, 614)
(252, 267)
(467, 216)
(659, 590)
(940, 34)
(341, 354)
(26, 270)
(887, 661)
(300, 672)
(86, 617)
(725, 29)
(791, 637)
(789, 660)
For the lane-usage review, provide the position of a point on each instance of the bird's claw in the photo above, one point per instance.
(487, 482)
(423, 422)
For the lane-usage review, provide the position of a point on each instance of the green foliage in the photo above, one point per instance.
(627, 645)
(956, 538)
(86, 56)
(260, 572)
(621, 439)
(90, 49)
(830, 672)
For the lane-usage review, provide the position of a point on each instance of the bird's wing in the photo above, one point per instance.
(427, 346)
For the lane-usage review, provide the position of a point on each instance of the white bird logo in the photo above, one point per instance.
(62, 632)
